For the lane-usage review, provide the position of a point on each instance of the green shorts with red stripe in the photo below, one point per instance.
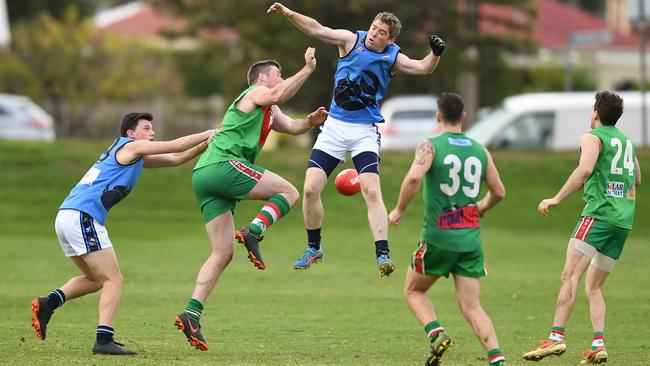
(431, 260)
(219, 186)
(608, 239)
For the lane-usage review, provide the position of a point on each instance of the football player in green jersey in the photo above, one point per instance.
(226, 174)
(610, 172)
(451, 167)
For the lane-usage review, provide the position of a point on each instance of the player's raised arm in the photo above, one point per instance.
(426, 65)
(285, 90)
(411, 184)
(496, 190)
(285, 124)
(342, 38)
(590, 148)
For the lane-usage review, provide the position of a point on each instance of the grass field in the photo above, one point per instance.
(339, 312)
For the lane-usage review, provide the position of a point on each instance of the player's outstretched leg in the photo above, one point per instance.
(192, 330)
(366, 164)
(277, 206)
(546, 348)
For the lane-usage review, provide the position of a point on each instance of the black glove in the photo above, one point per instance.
(437, 44)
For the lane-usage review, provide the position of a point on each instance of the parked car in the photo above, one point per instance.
(22, 119)
(552, 121)
(409, 119)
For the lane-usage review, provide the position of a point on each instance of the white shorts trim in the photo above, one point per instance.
(338, 137)
(77, 238)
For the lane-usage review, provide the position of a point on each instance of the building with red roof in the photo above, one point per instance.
(564, 33)
(139, 19)
(609, 51)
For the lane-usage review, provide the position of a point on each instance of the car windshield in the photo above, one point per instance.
(489, 123)
(415, 114)
(34, 111)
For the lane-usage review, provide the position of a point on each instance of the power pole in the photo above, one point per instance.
(642, 40)
(5, 33)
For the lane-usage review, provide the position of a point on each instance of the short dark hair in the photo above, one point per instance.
(451, 107)
(130, 121)
(609, 107)
(391, 20)
(260, 67)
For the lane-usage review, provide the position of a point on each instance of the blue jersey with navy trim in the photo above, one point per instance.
(105, 184)
(360, 82)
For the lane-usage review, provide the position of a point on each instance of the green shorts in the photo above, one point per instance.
(219, 186)
(608, 239)
(431, 260)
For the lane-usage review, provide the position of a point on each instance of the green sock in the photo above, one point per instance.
(598, 341)
(433, 329)
(495, 356)
(272, 211)
(194, 308)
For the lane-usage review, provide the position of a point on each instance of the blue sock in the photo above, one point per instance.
(313, 238)
(381, 247)
(104, 334)
(55, 299)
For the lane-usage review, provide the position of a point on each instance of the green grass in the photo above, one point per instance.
(337, 313)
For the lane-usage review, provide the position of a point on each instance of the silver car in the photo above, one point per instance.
(409, 120)
(22, 119)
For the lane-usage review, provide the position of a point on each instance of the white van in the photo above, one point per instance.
(409, 119)
(552, 121)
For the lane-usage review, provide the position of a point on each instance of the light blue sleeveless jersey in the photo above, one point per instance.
(105, 184)
(360, 82)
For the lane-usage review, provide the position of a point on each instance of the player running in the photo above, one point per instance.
(452, 167)
(80, 222)
(610, 173)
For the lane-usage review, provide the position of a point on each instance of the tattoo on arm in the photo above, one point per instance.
(421, 153)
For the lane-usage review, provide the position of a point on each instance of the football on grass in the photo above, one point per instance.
(347, 182)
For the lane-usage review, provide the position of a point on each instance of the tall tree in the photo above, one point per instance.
(21, 10)
(69, 63)
(270, 36)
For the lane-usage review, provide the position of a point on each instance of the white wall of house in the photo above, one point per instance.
(608, 67)
(5, 33)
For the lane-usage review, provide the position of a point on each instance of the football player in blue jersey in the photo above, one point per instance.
(80, 222)
(368, 60)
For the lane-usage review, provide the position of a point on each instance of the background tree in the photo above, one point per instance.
(21, 10)
(270, 36)
(72, 67)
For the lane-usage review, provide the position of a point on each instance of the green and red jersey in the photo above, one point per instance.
(451, 188)
(610, 190)
(241, 136)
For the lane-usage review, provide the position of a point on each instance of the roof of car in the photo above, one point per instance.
(563, 100)
(13, 97)
(416, 101)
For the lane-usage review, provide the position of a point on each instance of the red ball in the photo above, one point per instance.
(347, 182)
